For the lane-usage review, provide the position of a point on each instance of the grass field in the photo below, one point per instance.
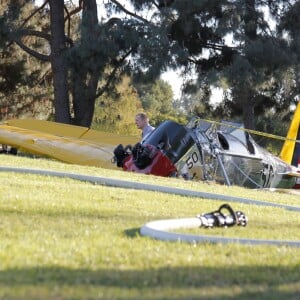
(67, 239)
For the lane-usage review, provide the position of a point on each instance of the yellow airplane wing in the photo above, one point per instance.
(68, 143)
(290, 152)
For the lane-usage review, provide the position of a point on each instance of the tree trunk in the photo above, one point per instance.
(86, 78)
(244, 94)
(251, 35)
(58, 63)
(248, 112)
(250, 19)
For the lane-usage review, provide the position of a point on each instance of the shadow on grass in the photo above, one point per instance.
(133, 232)
(252, 282)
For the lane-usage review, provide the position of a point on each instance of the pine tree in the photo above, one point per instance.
(228, 42)
(24, 86)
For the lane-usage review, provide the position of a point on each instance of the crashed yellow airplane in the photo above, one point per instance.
(67, 143)
(203, 150)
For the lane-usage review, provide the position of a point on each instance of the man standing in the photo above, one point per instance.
(142, 122)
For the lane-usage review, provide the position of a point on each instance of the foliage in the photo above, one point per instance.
(224, 42)
(25, 90)
(115, 112)
(157, 101)
(249, 48)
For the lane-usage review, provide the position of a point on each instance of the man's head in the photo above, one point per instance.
(141, 120)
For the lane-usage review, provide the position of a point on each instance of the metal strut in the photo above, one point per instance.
(216, 153)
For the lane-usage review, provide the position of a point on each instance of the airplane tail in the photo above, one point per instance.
(290, 151)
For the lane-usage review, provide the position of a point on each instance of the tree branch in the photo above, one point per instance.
(76, 9)
(46, 36)
(34, 53)
(71, 13)
(33, 13)
(27, 32)
(67, 19)
(121, 7)
(112, 74)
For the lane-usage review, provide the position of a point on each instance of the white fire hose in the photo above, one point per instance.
(161, 229)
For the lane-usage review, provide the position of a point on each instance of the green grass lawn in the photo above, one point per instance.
(66, 239)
